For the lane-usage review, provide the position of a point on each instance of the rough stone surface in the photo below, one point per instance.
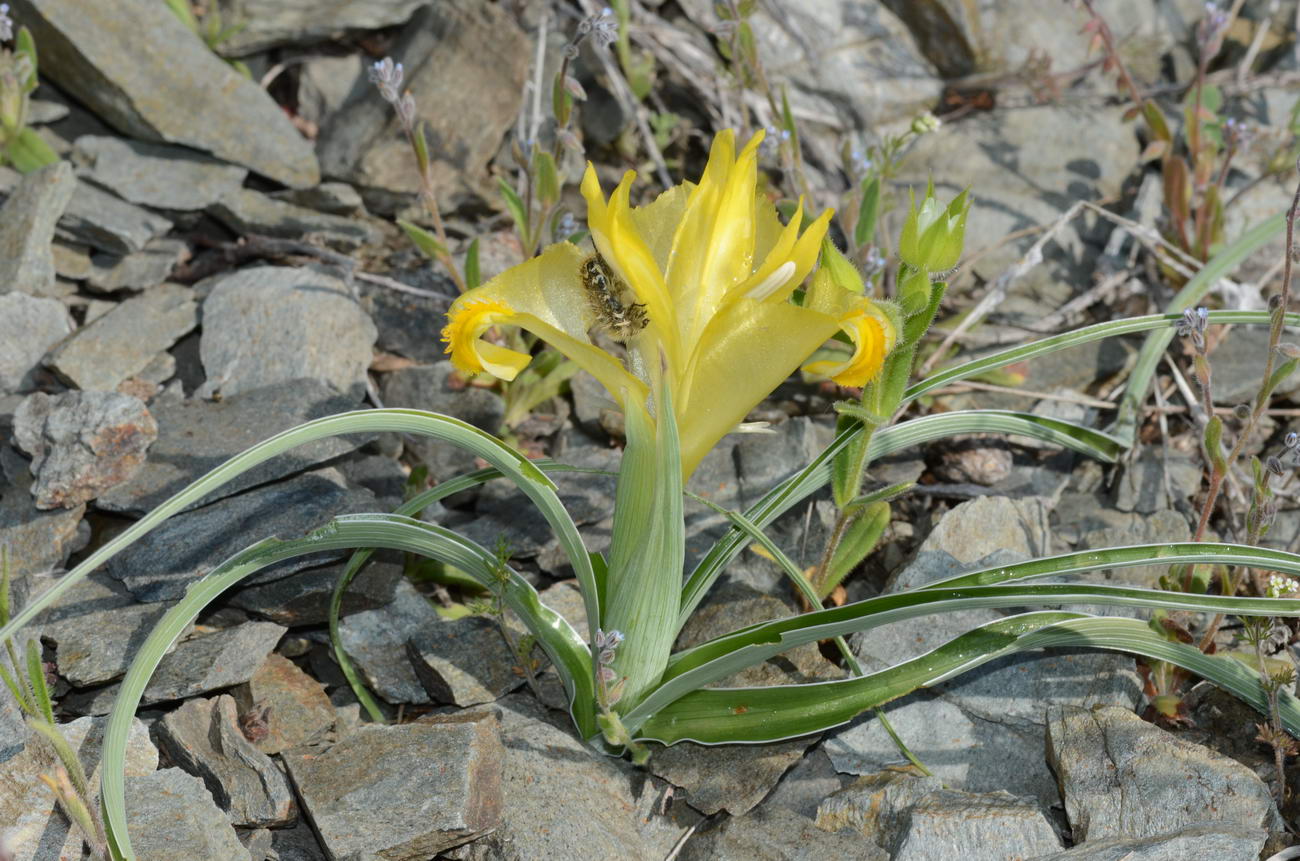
(82, 443)
(140, 270)
(218, 660)
(1195, 841)
(462, 58)
(336, 198)
(403, 792)
(98, 646)
(270, 324)
(303, 598)
(376, 642)
(607, 803)
(29, 327)
(405, 320)
(108, 223)
(272, 23)
(244, 210)
(1123, 777)
(203, 737)
(173, 816)
(195, 436)
(300, 711)
(436, 388)
(164, 94)
(31, 826)
(121, 343)
(988, 827)
(157, 175)
(160, 565)
(464, 661)
(875, 805)
(776, 835)
(297, 843)
(37, 540)
(27, 222)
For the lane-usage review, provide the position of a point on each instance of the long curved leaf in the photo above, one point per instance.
(561, 643)
(532, 481)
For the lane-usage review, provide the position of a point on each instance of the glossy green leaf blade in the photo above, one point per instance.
(532, 481)
(1086, 335)
(766, 714)
(553, 633)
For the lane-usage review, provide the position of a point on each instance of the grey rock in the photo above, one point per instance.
(776, 835)
(1195, 841)
(148, 267)
(204, 738)
(763, 460)
(269, 324)
(335, 198)
(464, 661)
(212, 661)
(33, 829)
(41, 112)
(806, 785)
(1142, 486)
(269, 24)
(245, 211)
(164, 95)
(325, 82)
(988, 827)
(405, 320)
(462, 58)
(376, 642)
(97, 647)
(259, 843)
(122, 342)
(1123, 777)
(37, 540)
(157, 175)
(29, 327)
(608, 804)
(875, 805)
(382, 476)
(82, 443)
(297, 843)
(195, 436)
(13, 728)
(162, 564)
(303, 598)
(103, 221)
(1238, 364)
(298, 710)
(435, 388)
(27, 222)
(173, 816)
(71, 261)
(403, 792)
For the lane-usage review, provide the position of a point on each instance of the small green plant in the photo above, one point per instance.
(27, 684)
(19, 145)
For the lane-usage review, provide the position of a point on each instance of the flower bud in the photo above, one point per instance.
(933, 236)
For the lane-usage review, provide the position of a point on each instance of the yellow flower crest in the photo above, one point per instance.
(712, 269)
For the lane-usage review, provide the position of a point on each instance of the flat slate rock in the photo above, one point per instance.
(297, 709)
(464, 661)
(196, 436)
(97, 647)
(405, 320)
(376, 641)
(436, 388)
(776, 835)
(951, 824)
(213, 661)
(31, 825)
(82, 443)
(165, 94)
(270, 23)
(1218, 841)
(139, 270)
(203, 737)
(245, 210)
(405, 792)
(1121, 777)
(27, 222)
(29, 327)
(162, 564)
(37, 540)
(125, 340)
(303, 598)
(270, 324)
(173, 816)
(157, 175)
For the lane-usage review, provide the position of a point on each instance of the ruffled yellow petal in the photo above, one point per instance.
(873, 336)
(466, 323)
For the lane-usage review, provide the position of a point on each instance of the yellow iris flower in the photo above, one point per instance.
(714, 269)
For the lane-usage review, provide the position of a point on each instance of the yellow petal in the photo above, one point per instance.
(873, 336)
(545, 296)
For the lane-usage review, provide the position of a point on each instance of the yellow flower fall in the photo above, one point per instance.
(714, 269)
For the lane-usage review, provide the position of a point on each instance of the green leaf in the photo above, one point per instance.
(864, 232)
(29, 152)
(1213, 436)
(1279, 375)
(425, 241)
(547, 177)
(65, 753)
(36, 678)
(859, 540)
(25, 44)
(561, 101)
(842, 271)
(473, 277)
(514, 205)
(421, 142)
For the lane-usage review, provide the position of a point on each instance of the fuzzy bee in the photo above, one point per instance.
(607, 296)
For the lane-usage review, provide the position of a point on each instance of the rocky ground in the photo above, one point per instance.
(214, 261)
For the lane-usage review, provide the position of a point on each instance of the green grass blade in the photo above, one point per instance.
(1139, 381)
(1086, 335)
(514, 465)
(65, 753)
(36, 678)
(561, 643)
